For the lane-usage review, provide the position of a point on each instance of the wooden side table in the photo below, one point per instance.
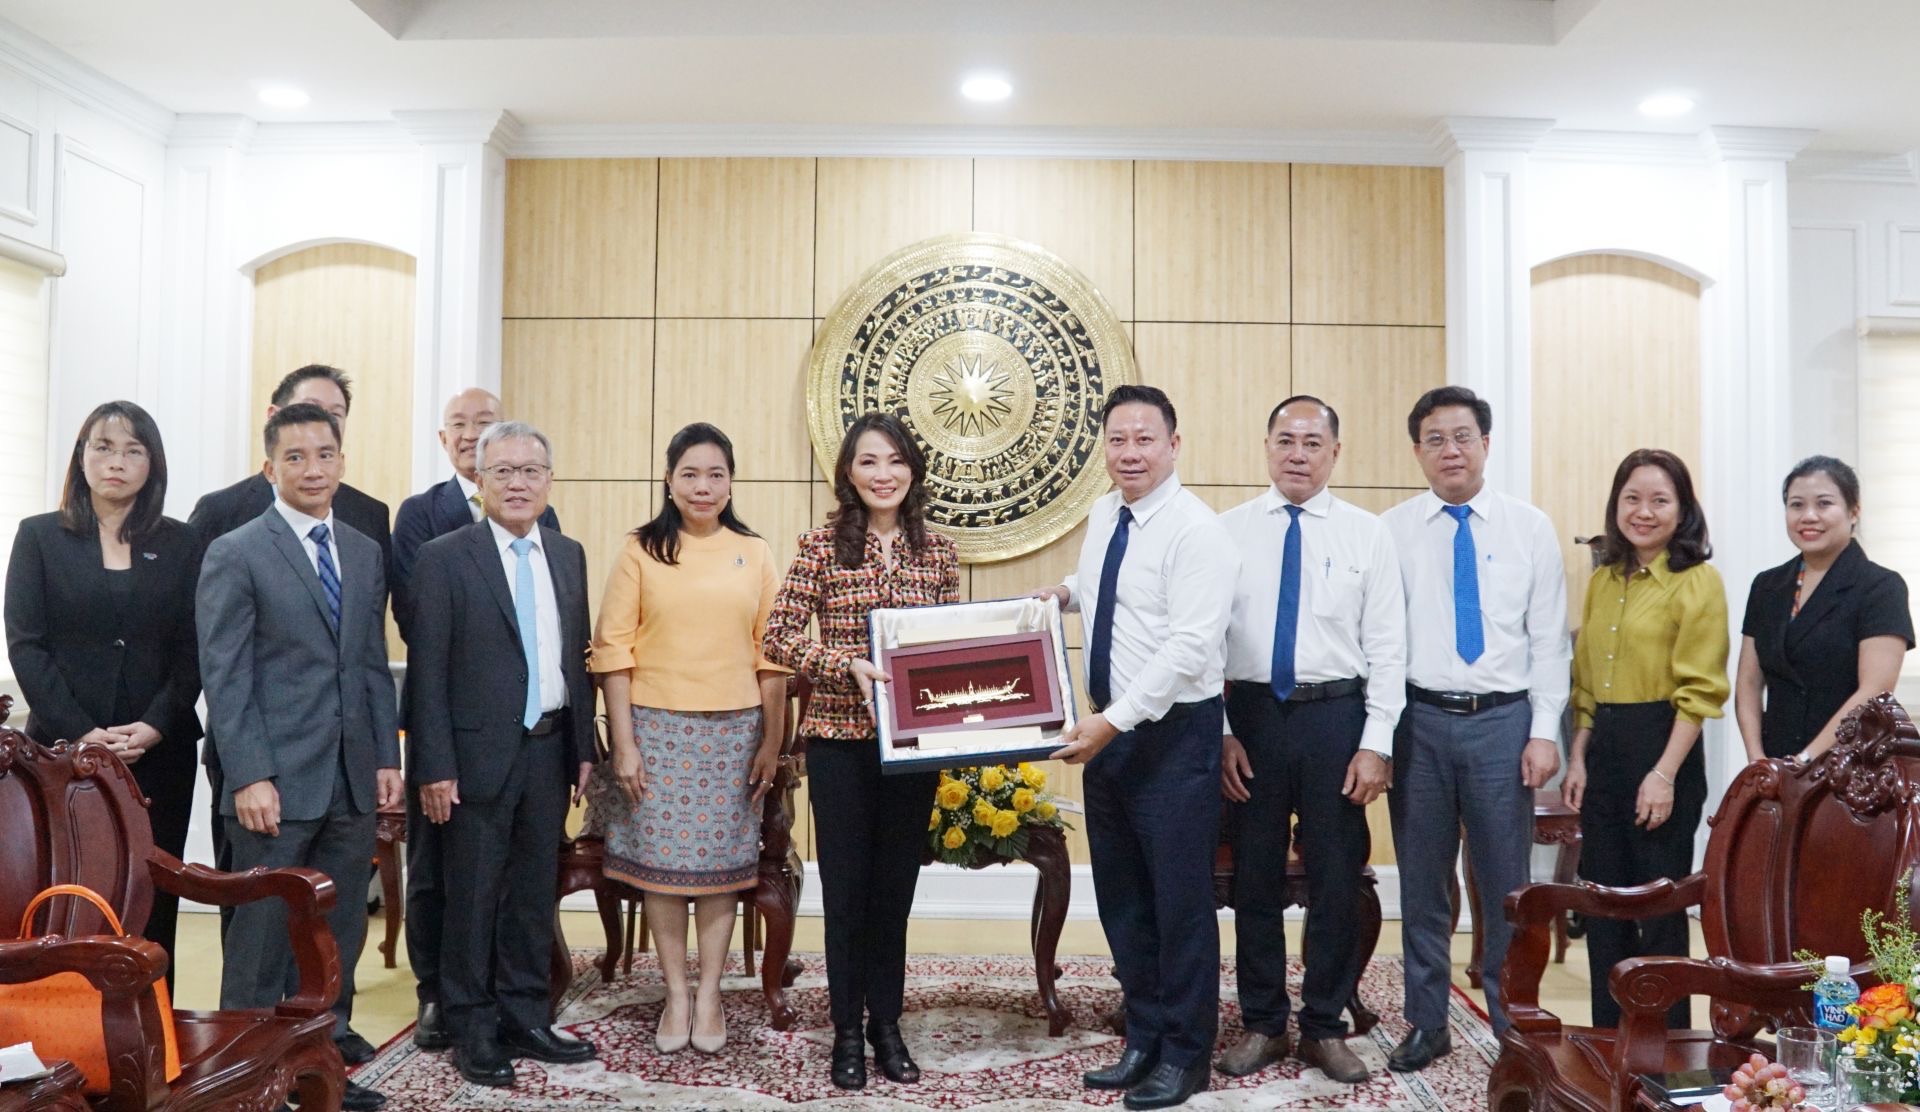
(1554, 824)
(1047, 853)
(390, 833)
(58, 1090)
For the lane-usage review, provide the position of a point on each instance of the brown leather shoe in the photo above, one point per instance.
(1253, 1053)
(1333, 1059)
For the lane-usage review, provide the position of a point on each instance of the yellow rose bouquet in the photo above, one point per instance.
(989, 810)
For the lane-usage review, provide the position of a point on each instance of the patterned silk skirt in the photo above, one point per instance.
(696, 831)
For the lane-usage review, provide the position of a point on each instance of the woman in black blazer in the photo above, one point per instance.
(1825, 631)
(99, 618)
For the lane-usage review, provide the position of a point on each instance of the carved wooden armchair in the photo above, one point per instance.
(1795, 855)
(73, 814)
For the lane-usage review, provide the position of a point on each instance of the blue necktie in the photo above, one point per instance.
(525, 614)
(329, 575)
(1100, 652)
(1286, 620)
(1468, 638)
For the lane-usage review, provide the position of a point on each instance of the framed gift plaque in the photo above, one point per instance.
(973, 683)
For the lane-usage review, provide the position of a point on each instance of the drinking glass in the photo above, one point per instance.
(1808, 1054)
(1870, 1080)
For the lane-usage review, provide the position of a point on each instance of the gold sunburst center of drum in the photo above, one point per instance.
(970, 394)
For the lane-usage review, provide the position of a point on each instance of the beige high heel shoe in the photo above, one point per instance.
(673, 1043)
(711, 1044)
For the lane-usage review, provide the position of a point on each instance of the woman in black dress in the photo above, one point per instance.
(99, 619)
(1825, 631)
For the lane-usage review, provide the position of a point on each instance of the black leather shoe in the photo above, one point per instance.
(1418, 1050)
(482, 1061)
(544, 1044)
(1168, 1085)
(849, 1058)
(1132, 1068)
(359, 1098)
(890, 1054)
(430, 1028)
(354, 1050)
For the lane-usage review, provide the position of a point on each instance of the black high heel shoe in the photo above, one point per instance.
(890, 1053)
(849, 1058)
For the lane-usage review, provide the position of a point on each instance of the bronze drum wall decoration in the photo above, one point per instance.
(998, 356)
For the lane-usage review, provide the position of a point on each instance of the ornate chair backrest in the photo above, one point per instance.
(71, 814)
(1796, 854)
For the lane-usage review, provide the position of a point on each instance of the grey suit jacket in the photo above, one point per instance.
(288, 700)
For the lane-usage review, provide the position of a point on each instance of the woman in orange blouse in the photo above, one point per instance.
(875, 550)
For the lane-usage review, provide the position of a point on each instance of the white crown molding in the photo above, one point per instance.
(1404, 148)
(192, 129)
(1859, 167)
(1658, 147)
(1454, 134)
(366, 137)
(54, 68)
(1756, 144)
(482, 126)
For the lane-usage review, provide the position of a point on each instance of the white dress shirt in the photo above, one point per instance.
(1175, 592)
(1523, 602)
(467, 490)
(302, 525)
(553, 682)
(1353, 619)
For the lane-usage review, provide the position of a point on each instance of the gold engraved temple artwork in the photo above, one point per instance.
(998, 356)
(970, 695)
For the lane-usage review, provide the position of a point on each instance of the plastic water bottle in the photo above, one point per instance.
(1832, 993)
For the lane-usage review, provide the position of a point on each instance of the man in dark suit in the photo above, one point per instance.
(292, 630)
(227, 509)
(435, 512)
(500, 718)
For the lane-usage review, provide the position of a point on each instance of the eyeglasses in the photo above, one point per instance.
(531, 472)
(1435, 443)
(104, 450)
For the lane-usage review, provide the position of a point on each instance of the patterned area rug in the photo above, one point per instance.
(974, 1024)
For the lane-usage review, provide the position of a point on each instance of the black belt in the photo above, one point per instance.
(548, 723)
(1464, 702)
(1332, 689)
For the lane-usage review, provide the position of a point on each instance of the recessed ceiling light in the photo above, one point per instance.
(283, 96)
(986, 87)
(1666, 104)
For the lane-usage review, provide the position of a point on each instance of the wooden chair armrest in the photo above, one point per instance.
(123, 971)
(309, 895)
(1647, 987)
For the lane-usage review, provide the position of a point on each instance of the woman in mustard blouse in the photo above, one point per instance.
(1650, 666)
(678, 645)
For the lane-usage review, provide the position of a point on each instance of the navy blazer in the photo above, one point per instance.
(434, 512)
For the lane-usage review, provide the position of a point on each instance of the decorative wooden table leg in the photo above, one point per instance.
(559, 968)
(1473, 904)
(1047, 852)
(1366, 936)
(607, 902)
(392, 897)
(777, 895)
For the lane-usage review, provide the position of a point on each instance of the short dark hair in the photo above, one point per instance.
(302, 413)
(1440, 397)
(1689, 545)
(1333, 418)
(283, 393)
(76, 497)
(1131, 394)
(1842, 476)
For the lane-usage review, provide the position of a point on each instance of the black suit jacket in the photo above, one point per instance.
(466, 670)
(1811, 662)
(228, 508)
(434, 512)
(72, 648)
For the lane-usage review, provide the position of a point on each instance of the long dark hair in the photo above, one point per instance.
(661, 536)
(1689, 545)
(76, 498)
(849, 518)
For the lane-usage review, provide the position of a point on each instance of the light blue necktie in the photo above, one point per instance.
(1286, 620)
(329, 575)
(1468, 637)
(525, 613)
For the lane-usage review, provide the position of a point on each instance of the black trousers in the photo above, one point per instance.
(222, 847)
(1627, 740)
(869, 831)
(165, 774)
(1299, 753)
(426, 899)
(1153, 823)
(502, 857)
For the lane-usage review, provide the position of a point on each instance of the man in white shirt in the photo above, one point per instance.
(1155, 582)
(1316, 663)
(1487, 679)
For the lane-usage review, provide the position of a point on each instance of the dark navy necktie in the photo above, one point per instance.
(1100, 651)
(329, 575)
(1286, 620)
(1468, 637)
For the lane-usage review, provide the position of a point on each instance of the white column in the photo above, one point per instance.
(202, 405)
(459, 272)
(1489, 335)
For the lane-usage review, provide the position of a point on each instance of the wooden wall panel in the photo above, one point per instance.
(580, 237)
(1368, 245)
(1081, 211)
(1372, 377)
(749, 377)
(1023, 575)
(871, 207)
(587, 384)
(600, 514)
(1223, 380)
(780, 512)
(1616, 366)
(736, 237)
(1211, 241)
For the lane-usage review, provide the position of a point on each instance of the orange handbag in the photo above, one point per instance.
(60, 1015)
